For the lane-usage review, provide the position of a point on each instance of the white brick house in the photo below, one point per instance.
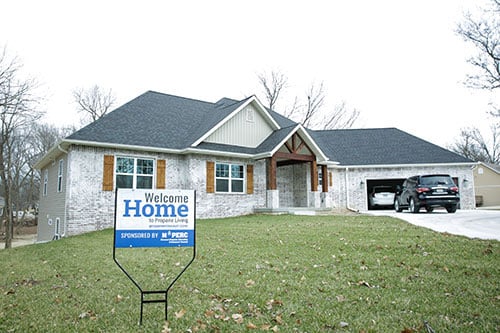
(239, 157)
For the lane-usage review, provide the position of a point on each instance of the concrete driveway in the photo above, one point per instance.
(483, 224)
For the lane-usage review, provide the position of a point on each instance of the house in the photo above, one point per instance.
(239, 156)
(487, 184)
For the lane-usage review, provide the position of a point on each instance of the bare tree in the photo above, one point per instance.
(17, 115)
(93, 103)
(483, 32)
(311, 113)
(472, 144)
(272, 85)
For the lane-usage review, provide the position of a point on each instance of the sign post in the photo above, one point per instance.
(154, 218)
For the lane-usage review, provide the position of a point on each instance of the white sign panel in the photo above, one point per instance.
(154, 218)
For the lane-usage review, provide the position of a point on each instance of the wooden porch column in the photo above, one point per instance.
(324, 176)
(314, 176)
(271, 173)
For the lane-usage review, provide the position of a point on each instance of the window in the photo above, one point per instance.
(320, 178)
(134, 172)
(229, 178)
(45, 182)
(60, 176)
(250, 115)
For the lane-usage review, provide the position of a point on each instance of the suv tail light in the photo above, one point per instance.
(422, 189)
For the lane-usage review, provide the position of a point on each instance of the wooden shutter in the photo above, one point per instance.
(210, 177)
(249, 179)
(108, 172)
(160, 174)
(330, 179)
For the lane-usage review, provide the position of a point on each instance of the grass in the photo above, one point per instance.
(260, 273)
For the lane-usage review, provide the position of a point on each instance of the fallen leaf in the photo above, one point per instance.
(238, 318)
(340, 298)
(364, 283)
(251, 326)
(249, 283)
(180, 313)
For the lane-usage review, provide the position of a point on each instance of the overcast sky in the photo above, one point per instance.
(397, 61)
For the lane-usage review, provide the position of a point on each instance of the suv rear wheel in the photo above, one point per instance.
(414, 208)
(451, 208)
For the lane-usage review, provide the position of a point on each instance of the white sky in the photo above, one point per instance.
(397, 61)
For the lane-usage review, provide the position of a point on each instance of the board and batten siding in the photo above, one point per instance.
(248, 128)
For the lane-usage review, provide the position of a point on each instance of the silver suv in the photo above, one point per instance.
(427, 191)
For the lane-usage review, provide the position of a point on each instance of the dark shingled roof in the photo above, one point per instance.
(381, 146)
(170, 122)
(163, 121)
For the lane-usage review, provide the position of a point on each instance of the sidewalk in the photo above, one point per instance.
(20, 240)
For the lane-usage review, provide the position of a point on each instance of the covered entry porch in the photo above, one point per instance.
(294, 180)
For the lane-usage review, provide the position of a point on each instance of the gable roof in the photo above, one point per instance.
(160, 122)
(493, 167)
(382, 146)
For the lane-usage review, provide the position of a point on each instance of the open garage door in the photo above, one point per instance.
(377, 189)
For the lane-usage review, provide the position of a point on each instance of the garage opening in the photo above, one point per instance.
(380, 192)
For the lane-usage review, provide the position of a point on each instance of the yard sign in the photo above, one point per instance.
(154, 218)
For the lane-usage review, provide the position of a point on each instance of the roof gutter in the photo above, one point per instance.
(370, 166)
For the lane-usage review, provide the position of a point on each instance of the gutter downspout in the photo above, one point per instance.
(348, 206)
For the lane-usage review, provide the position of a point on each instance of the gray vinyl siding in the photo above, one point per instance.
(240, 131)
(52, 205)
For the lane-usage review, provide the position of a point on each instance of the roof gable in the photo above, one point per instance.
(235, 128)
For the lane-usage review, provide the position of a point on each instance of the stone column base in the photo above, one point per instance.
(273, 199)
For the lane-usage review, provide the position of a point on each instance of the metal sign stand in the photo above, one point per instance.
(164, 293)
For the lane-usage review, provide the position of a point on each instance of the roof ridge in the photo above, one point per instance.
(177, 96)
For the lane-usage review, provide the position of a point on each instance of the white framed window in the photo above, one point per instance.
(134, 172)
(320, 178)
(229, 178)
(60, 171)
(45, 182)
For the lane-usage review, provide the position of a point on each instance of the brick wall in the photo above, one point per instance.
(89, 208)
(355, 183)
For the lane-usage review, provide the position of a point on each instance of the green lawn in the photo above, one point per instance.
(261, 273)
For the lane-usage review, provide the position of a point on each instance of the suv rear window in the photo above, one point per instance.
(436, 180)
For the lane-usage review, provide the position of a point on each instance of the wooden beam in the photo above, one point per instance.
(314, 176)
(271, 174)
(324, 175)
(293, 156)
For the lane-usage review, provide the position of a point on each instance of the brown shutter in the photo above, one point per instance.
(210, 177)
(108, 170)
(330, 179)
(160, 174)
(249, 179)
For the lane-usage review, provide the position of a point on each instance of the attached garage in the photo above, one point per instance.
(373, 186)
(387, 156)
